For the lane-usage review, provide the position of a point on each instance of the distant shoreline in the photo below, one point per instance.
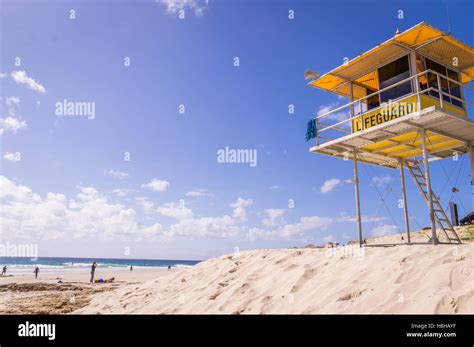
(20, 266)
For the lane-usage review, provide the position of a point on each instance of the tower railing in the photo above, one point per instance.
(344, 126)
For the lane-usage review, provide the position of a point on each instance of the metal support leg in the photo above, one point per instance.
(434, 238)
(356, 183)
(351, 98)
(405, 204)
(471, 157)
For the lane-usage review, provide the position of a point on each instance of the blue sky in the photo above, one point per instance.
(73, 193)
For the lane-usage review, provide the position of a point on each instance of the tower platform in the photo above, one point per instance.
(388, 143)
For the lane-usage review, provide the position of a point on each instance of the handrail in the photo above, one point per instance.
(362, 114)
(391, 86)
(439, 90)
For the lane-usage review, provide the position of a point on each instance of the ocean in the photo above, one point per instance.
(56, 264)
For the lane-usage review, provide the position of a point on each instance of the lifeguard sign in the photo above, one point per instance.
(385, 113)
(406, 106)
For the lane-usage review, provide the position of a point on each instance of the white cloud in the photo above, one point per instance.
(290, 231)
(89, 214)
(175, 210)
(16, 192)
(2, 75)
(329, 238)
(304, 225)
(12, 100)
(382, 180)
(273, 217)
(10, 156)
(116, 174)
(338, 116)
(198, 193)
(256, 233)
(240, 206)
(12, 103)
(216, 227)
(147, 205)
(173, 6)
(275, 187)
(121, 192)
(26, 214)
(20, 77)
(157, 185)
(384, 229)
(11, 124)
(365, 219)
(326, 108)
(329, 185)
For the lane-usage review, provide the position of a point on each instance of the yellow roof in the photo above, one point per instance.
(423, 38)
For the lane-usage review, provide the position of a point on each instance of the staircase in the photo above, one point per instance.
(439, 214)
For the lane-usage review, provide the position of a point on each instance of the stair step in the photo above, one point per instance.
(444, 224)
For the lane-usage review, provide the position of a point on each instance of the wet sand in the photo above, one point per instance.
(23, 294)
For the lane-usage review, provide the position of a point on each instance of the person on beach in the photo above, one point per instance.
(37, 270)
(131, 268)
(4, 271)
(169, 267)
(94, 265)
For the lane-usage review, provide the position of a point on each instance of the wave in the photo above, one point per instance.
(58, 265)
(83, 267)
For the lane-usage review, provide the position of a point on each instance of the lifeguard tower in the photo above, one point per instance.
(407, 107)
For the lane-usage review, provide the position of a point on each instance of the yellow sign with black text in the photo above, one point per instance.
(385, 113)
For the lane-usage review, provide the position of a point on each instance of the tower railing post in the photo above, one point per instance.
(415, 80)
(356, 183)
(434, 237)
(405, 203)
(440, 91)
(471, 157)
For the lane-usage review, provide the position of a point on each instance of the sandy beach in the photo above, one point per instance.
(394, 278)
(399, 279)
(23, 294)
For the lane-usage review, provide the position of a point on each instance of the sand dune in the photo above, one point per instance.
(399, 279)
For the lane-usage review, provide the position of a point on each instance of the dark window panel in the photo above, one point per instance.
(392, 73)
